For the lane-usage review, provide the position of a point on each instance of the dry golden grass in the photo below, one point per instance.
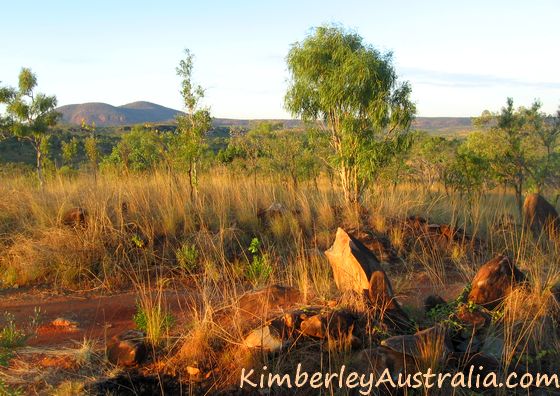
(137, 247)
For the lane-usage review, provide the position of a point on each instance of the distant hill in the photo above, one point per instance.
(104, 114)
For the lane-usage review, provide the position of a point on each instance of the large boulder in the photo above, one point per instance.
(539, 215)
(493, 281)
(354, 265)
(356, 269)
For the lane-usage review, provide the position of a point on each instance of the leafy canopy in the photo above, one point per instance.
(351, 88)
(29, 114)
(341, 80)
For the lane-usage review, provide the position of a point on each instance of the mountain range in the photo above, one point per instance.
(142, 112)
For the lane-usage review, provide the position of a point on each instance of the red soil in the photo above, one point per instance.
(96, 317)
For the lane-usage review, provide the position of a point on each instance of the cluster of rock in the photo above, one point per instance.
(400, 346)
(418, 230)
(376, 328)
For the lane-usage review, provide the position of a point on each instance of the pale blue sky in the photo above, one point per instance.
(461, 57)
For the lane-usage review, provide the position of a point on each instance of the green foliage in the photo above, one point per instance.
(30, 115)
(70, 150)
(353, 87)
(189, 145)
(187, 257)
(91, 145)
(5, 356)
(138, 241)
(521, 146)
(6, 390)
(259, 269)
(10, 335)
(469, 171)
(138, 150)
(445, 313)
(154, 320)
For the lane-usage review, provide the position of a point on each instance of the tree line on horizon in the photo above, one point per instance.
(357, 117)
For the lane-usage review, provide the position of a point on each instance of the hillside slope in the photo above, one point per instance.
(104, 114)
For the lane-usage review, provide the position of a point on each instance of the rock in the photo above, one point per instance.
(377, 360)
(127, 349)
(470, 336)
(493, 346)
(194, 373)
(264, 303)
(266, 338)
(493, 281)
(334, 324)
(434, 339)
(380, 245)
(453, 234)
(475, 318)
(353, 265)
(292, 320)
(539, 215)
(433, 301)
(63, 322)
(274, 211)
(416, 223)
(390, 312)
(464, 361)
(75, 217)
(356, 269)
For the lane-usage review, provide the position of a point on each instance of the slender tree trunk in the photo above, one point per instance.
(519, 198)
(191, 187)
(40, 167)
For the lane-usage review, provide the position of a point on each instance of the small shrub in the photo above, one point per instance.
(259, 269)
(154, 320)
(137, 241)
(6, 390)
(187, 257)
(10, 335)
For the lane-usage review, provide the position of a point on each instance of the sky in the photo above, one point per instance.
(461, 57)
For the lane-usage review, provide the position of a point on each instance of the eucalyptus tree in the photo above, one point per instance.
(91, 146)
(352, 89)
(522, 147)
(545, 130)
(30, 115)
(193, 125)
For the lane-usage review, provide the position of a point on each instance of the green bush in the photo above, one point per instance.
(259, 269)
(187, 257)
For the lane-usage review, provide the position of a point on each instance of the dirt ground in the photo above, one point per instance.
(95, 317)
(44, 362)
